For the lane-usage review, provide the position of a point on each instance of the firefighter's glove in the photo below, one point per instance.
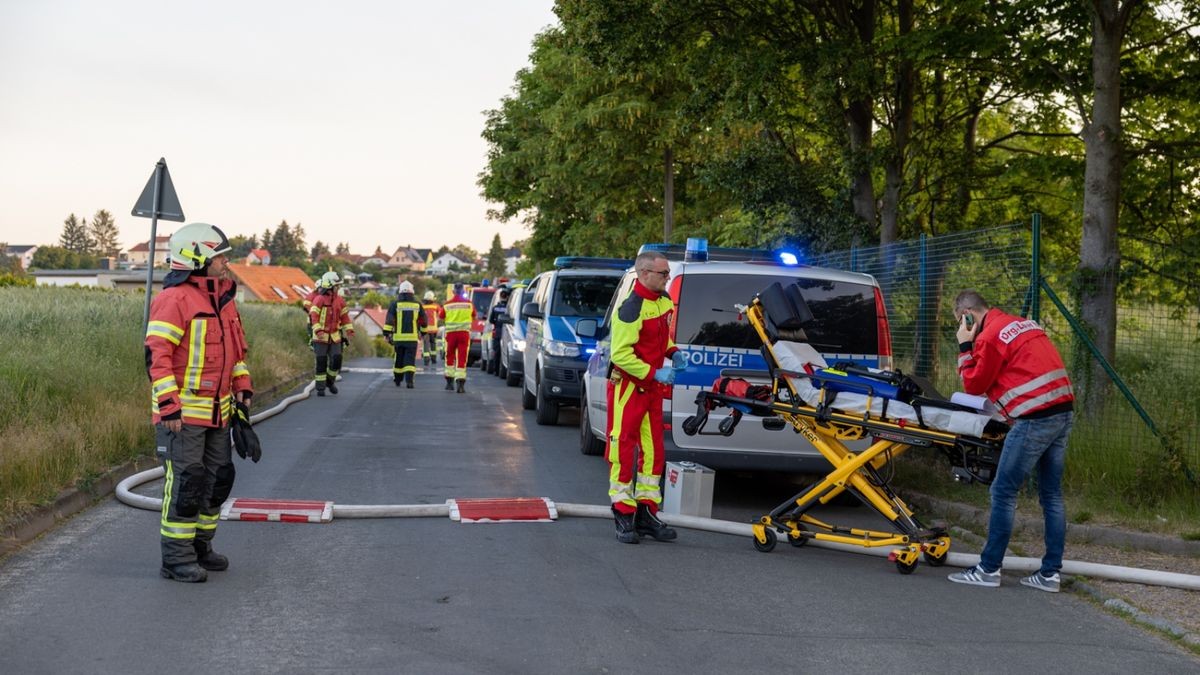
(665, 376)
(245, 441)
(679, 361)
(388, 337)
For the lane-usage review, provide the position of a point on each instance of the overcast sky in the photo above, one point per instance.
(359, 120)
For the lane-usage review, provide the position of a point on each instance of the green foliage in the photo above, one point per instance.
(59, 258)
(495, 258)
(103, 235)
(375, 299)
(16, 279)
(74, 237)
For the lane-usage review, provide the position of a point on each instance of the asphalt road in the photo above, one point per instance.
(433, 596)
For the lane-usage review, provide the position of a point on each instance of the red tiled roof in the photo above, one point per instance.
(377, 315)
(260, 282)
(261, 253)
(160, 244)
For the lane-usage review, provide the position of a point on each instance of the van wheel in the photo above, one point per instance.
(588, 443)
(512, 379)
(547, 410)
(502, 371)
(528, 400)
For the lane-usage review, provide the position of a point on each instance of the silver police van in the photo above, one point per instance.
(709, 287)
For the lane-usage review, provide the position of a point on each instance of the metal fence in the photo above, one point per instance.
(1141, 433)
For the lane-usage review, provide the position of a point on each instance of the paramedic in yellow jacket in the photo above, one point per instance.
(195, 356)
(457, 315)
(638, 382)
(329, 318)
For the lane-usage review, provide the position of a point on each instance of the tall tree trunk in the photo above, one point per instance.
(889, 223)
(668, 193)
(1099, 256)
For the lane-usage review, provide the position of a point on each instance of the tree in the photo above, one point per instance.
(465, 253)
(495, 258)
(342, 248)
(60, 258)
(319, 249)
(104, 235)
(240, 246)
(74, 237)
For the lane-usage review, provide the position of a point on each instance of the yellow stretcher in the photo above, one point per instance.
(827, 428)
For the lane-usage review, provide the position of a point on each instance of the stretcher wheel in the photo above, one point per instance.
(934, 560)
(798, 540)
(691, 425)
(770, 545)
(727, 425)
(906, 568)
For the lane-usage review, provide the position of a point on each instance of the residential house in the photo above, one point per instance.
(271, 283)
(100, 278)
(446, 262)
(378, 258)
(369, 320)
(258, 256)
(139, 255)
(407, 258)
(511, 257)
(23, 253)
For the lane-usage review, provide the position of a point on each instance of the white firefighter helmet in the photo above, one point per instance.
(429, 296)
(406, 287)
(195, 245)
(329, 279)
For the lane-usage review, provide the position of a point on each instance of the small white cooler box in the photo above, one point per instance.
(688, 489)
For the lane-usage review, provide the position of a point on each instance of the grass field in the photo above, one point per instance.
(74, 396)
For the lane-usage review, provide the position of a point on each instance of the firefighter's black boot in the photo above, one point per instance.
(397, 379)
(320, 388)
(626, 532)
(449, 384)
(461, 384)
(189, 573)
(210, 559)
(648, 525)
(408, 378)
(331, 383)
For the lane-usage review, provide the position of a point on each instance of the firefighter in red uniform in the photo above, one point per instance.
(429, 332)
(1014, 363)
(457, 315)
(195, 356)
(638, 382)
(331, 329)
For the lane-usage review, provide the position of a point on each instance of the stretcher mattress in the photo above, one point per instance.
(795, 356)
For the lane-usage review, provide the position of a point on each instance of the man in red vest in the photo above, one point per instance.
(1012, 361)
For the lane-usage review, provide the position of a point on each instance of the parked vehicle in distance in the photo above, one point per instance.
(512, 337)
(555, 355)
(481, 299)
(707, 287)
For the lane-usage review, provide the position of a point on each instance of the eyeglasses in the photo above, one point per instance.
(664, 273)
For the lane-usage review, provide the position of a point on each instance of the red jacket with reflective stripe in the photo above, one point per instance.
(196, 351)
(641, 334)
(1015, 365)
(329, 317)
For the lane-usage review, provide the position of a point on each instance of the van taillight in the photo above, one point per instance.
(885, 332)
(673, 291)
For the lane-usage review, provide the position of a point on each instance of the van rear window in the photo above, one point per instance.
(844, 313)
(583, 296)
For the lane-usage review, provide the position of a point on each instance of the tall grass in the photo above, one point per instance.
(74, 395)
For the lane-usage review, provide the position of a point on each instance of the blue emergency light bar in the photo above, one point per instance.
(569, 262)
(698, 250)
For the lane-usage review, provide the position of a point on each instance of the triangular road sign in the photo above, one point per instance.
(168, 202)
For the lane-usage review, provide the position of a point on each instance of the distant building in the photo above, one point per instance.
(258, 256)
(271, 283)
(99, 278)
(369, 320)
(445, 262)
(409, 258)
(511, 257)
(139, 256)
(23, 253)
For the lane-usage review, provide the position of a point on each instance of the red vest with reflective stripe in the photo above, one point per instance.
(1015, 365)
(330, 315)
(196, 351)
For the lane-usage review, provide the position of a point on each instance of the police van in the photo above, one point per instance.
(710, 288)
(555, 355)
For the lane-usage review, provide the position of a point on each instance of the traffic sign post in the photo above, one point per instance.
(158, 200)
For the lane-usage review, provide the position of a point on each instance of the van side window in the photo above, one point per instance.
(844, 313)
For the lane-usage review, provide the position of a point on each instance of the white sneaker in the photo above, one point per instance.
(1050, 584)
(975, 576)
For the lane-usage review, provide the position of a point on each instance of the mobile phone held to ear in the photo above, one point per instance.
(969, 320)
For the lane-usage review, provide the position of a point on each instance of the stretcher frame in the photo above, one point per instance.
(855, 472)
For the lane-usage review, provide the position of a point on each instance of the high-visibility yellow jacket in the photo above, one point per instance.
(195, 352)
(457, 314)
(405, 318)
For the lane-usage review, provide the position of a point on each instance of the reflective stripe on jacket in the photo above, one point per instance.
(404, 320)
(196, 351)
(431, 317)
(329, 315)
(457, 314)
(641, 333)
(1014, 363)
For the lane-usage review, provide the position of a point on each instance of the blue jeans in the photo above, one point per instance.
(1040, 443)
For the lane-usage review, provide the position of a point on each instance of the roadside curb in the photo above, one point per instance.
(1119, 606)
(1084, 534)
(17, 533)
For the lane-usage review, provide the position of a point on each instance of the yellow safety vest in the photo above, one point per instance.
(458, 316)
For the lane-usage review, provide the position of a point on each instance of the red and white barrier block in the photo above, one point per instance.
(277, 510)
(508, 510)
